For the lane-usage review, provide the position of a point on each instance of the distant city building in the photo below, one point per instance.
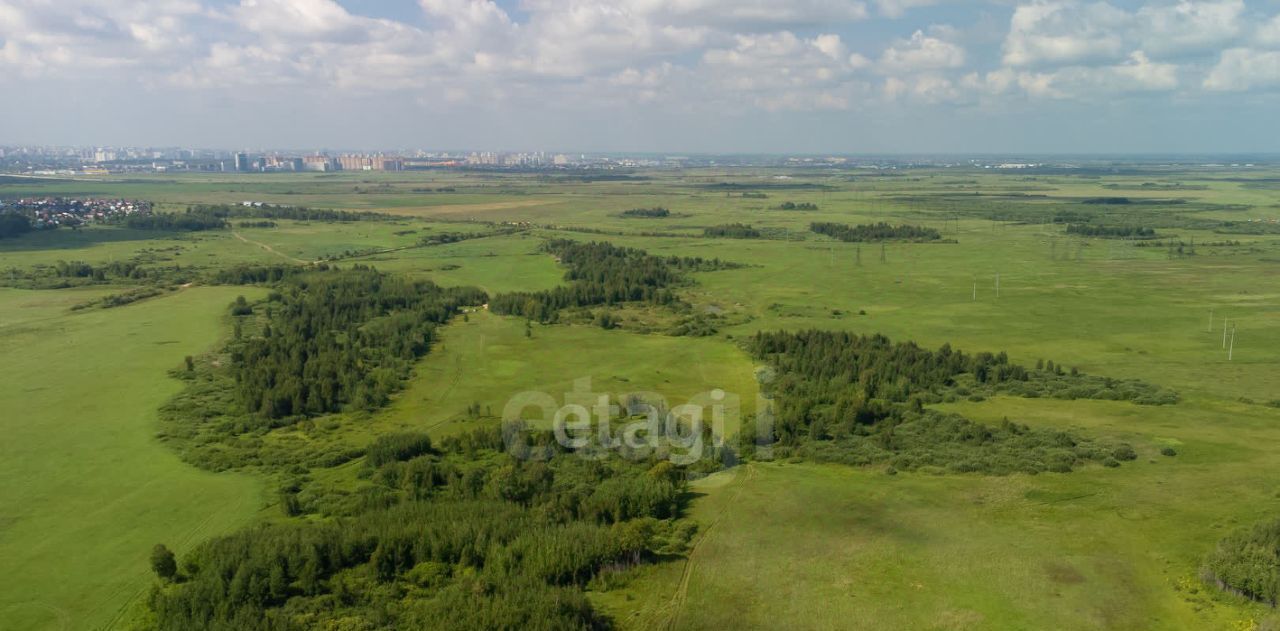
(370, 163)
(242, 162)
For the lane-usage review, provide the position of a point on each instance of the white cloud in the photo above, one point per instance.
(1137, 74)
(1058, 32)
(783, 71)
(1240, 69)
(899, 8)
(1188, 27)
(79, 36)
(734, 14)
(715, 53)
(1269, 33)
(921, 52)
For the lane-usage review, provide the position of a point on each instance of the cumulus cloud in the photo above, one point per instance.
(1269, 32)
(1189, 27)
(1240, 69)
(784, 71)
(921, 52)
(802, 54)
(1052, 32)
(90, 35)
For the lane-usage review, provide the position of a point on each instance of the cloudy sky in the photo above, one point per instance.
(850, 76)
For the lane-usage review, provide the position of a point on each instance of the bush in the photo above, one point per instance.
(1168, 451)
(1124, 452)
(397, 447)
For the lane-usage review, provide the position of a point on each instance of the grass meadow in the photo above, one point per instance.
(781, 544)
(87, 490)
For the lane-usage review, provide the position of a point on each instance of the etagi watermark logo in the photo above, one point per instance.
(635, 425)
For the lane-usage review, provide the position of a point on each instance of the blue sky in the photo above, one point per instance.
(813, 76)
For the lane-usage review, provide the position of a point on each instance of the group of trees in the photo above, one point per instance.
(656, 212)
(13, 224)
(264, 274)
(603, 274)
(296, 213)
(340, 339)
(732, 231)
(193, 220)
(458, 536)
(1111, 232)
(1248, 563)
(797, 206)
(840, 379)
(881, 231)
(860, 399)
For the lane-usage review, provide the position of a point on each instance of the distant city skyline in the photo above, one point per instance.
(655, 76)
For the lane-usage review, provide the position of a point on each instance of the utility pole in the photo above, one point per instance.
(997, 285)
(1210, 329)
(1224, 332)
(975, 292)
(1231, 350)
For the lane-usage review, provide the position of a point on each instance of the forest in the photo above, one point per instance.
(732, 231)
(1111, 232)
(604, 274)
(656, 212)
(193, 220)
(459, 535)
(881, 231)
(296, 213)
(340, 339)
(860, 400)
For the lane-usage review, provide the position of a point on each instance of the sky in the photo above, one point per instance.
(662, 76)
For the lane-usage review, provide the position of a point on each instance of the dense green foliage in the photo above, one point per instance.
(464, 537)
(1112, 232)
(603, 274)
(797, 206)
(866, 395)
(341, 339)
(656, 212)
(297, 213)
(881, 231)
(189, 221)
(1248, 562)
(13, 224)
(949, 443)
(732, 231)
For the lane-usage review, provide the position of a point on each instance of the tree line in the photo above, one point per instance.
(656, 212)
(340, 339)
(189, 221)
(732, 231)
(796, 206)
(295, 213)
(1111, 232)
(604, 274)
(881, 231)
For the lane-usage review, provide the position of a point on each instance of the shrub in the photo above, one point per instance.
(397, 447)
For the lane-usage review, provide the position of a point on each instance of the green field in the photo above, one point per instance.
(784, 544)
(87, 489)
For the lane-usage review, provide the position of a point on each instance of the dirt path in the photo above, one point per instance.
(691, 560)
(269, 249)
